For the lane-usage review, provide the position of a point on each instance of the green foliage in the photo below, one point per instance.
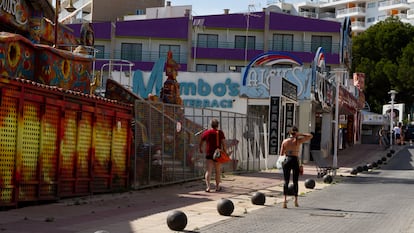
(385, 53)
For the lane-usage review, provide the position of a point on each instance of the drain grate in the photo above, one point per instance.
(342, 215)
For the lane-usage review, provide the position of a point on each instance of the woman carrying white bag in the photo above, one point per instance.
(290, 149)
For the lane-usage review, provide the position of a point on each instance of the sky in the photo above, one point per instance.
(213, 7)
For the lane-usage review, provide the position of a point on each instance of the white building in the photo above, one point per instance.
(363, 13)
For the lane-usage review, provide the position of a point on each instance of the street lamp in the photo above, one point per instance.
(197, 25)
(247, 30)
(392, 93)
(339, 74)
(69, 8)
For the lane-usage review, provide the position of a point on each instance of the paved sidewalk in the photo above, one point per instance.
(147, 210)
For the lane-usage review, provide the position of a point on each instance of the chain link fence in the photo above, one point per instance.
(166, 143)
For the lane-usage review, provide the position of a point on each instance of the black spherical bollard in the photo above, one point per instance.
(360, 169)
(177, 220)
(389, 155)
(291, 190)
(392, 151)
(369, 166)
(354, 171)
(384, 159)
(225, 207)
(258, 198)
(379, 162)
(327, 179)
(310, 183)
(374, 164)
(365, 168)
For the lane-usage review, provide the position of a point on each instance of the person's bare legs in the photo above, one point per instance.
(218, 175)
(207, 176)
(285, 202)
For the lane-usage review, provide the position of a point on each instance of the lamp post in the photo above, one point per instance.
(197, 25)
(339, 72)
(247, 31)
(69, 8)
(392, 93)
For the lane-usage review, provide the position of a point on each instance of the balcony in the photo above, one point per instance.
(327, 15)
(145, 59)
(351, 12)
(307, 14)
(393, 5)
(358, 26)
(410, 14)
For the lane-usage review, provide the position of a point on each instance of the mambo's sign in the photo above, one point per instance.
(192, 93)
(201, 90)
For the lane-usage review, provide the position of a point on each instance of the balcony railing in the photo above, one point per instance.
(228, 45)
(393, 4)
(153, 56)
(350, 11)
(308, 14)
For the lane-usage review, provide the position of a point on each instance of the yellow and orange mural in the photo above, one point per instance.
(55, 145)
(56, 140)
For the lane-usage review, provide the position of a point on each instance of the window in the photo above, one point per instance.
(131, 51)
(240, 42)
(175, 49)
(282, 42)
(140, 12)
(234, 68)
(207, 41)
(206, 68)
(282, 66)
(371, 20)
(99, 51)
(372, 5)
(322, 41)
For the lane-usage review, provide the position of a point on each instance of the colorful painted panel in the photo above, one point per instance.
(29, 151)
(48, 151)
(68, 153)
(103, 160)
(8, 138)
(16, 56)
(57, 145)
(15, 13)
(63, 69)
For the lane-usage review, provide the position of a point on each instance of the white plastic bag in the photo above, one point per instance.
(281, 161)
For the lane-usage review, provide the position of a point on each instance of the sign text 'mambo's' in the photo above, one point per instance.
(202, 88)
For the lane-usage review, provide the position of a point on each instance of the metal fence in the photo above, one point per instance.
(167, 137)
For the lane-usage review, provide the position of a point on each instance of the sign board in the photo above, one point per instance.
(274, 125)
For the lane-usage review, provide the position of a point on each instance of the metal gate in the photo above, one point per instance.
(167, 137)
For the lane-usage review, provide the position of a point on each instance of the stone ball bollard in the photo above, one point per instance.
(369, 166)
(360, 169)
(384, 159)
(374, 164)
(365, 168)
(258, 198)
(177, 220)
(310, 183)
(291, 190)
(392, 151)
(389, 154)
(327, 179)
(354, 171)
(379, 162)
(225, 207)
